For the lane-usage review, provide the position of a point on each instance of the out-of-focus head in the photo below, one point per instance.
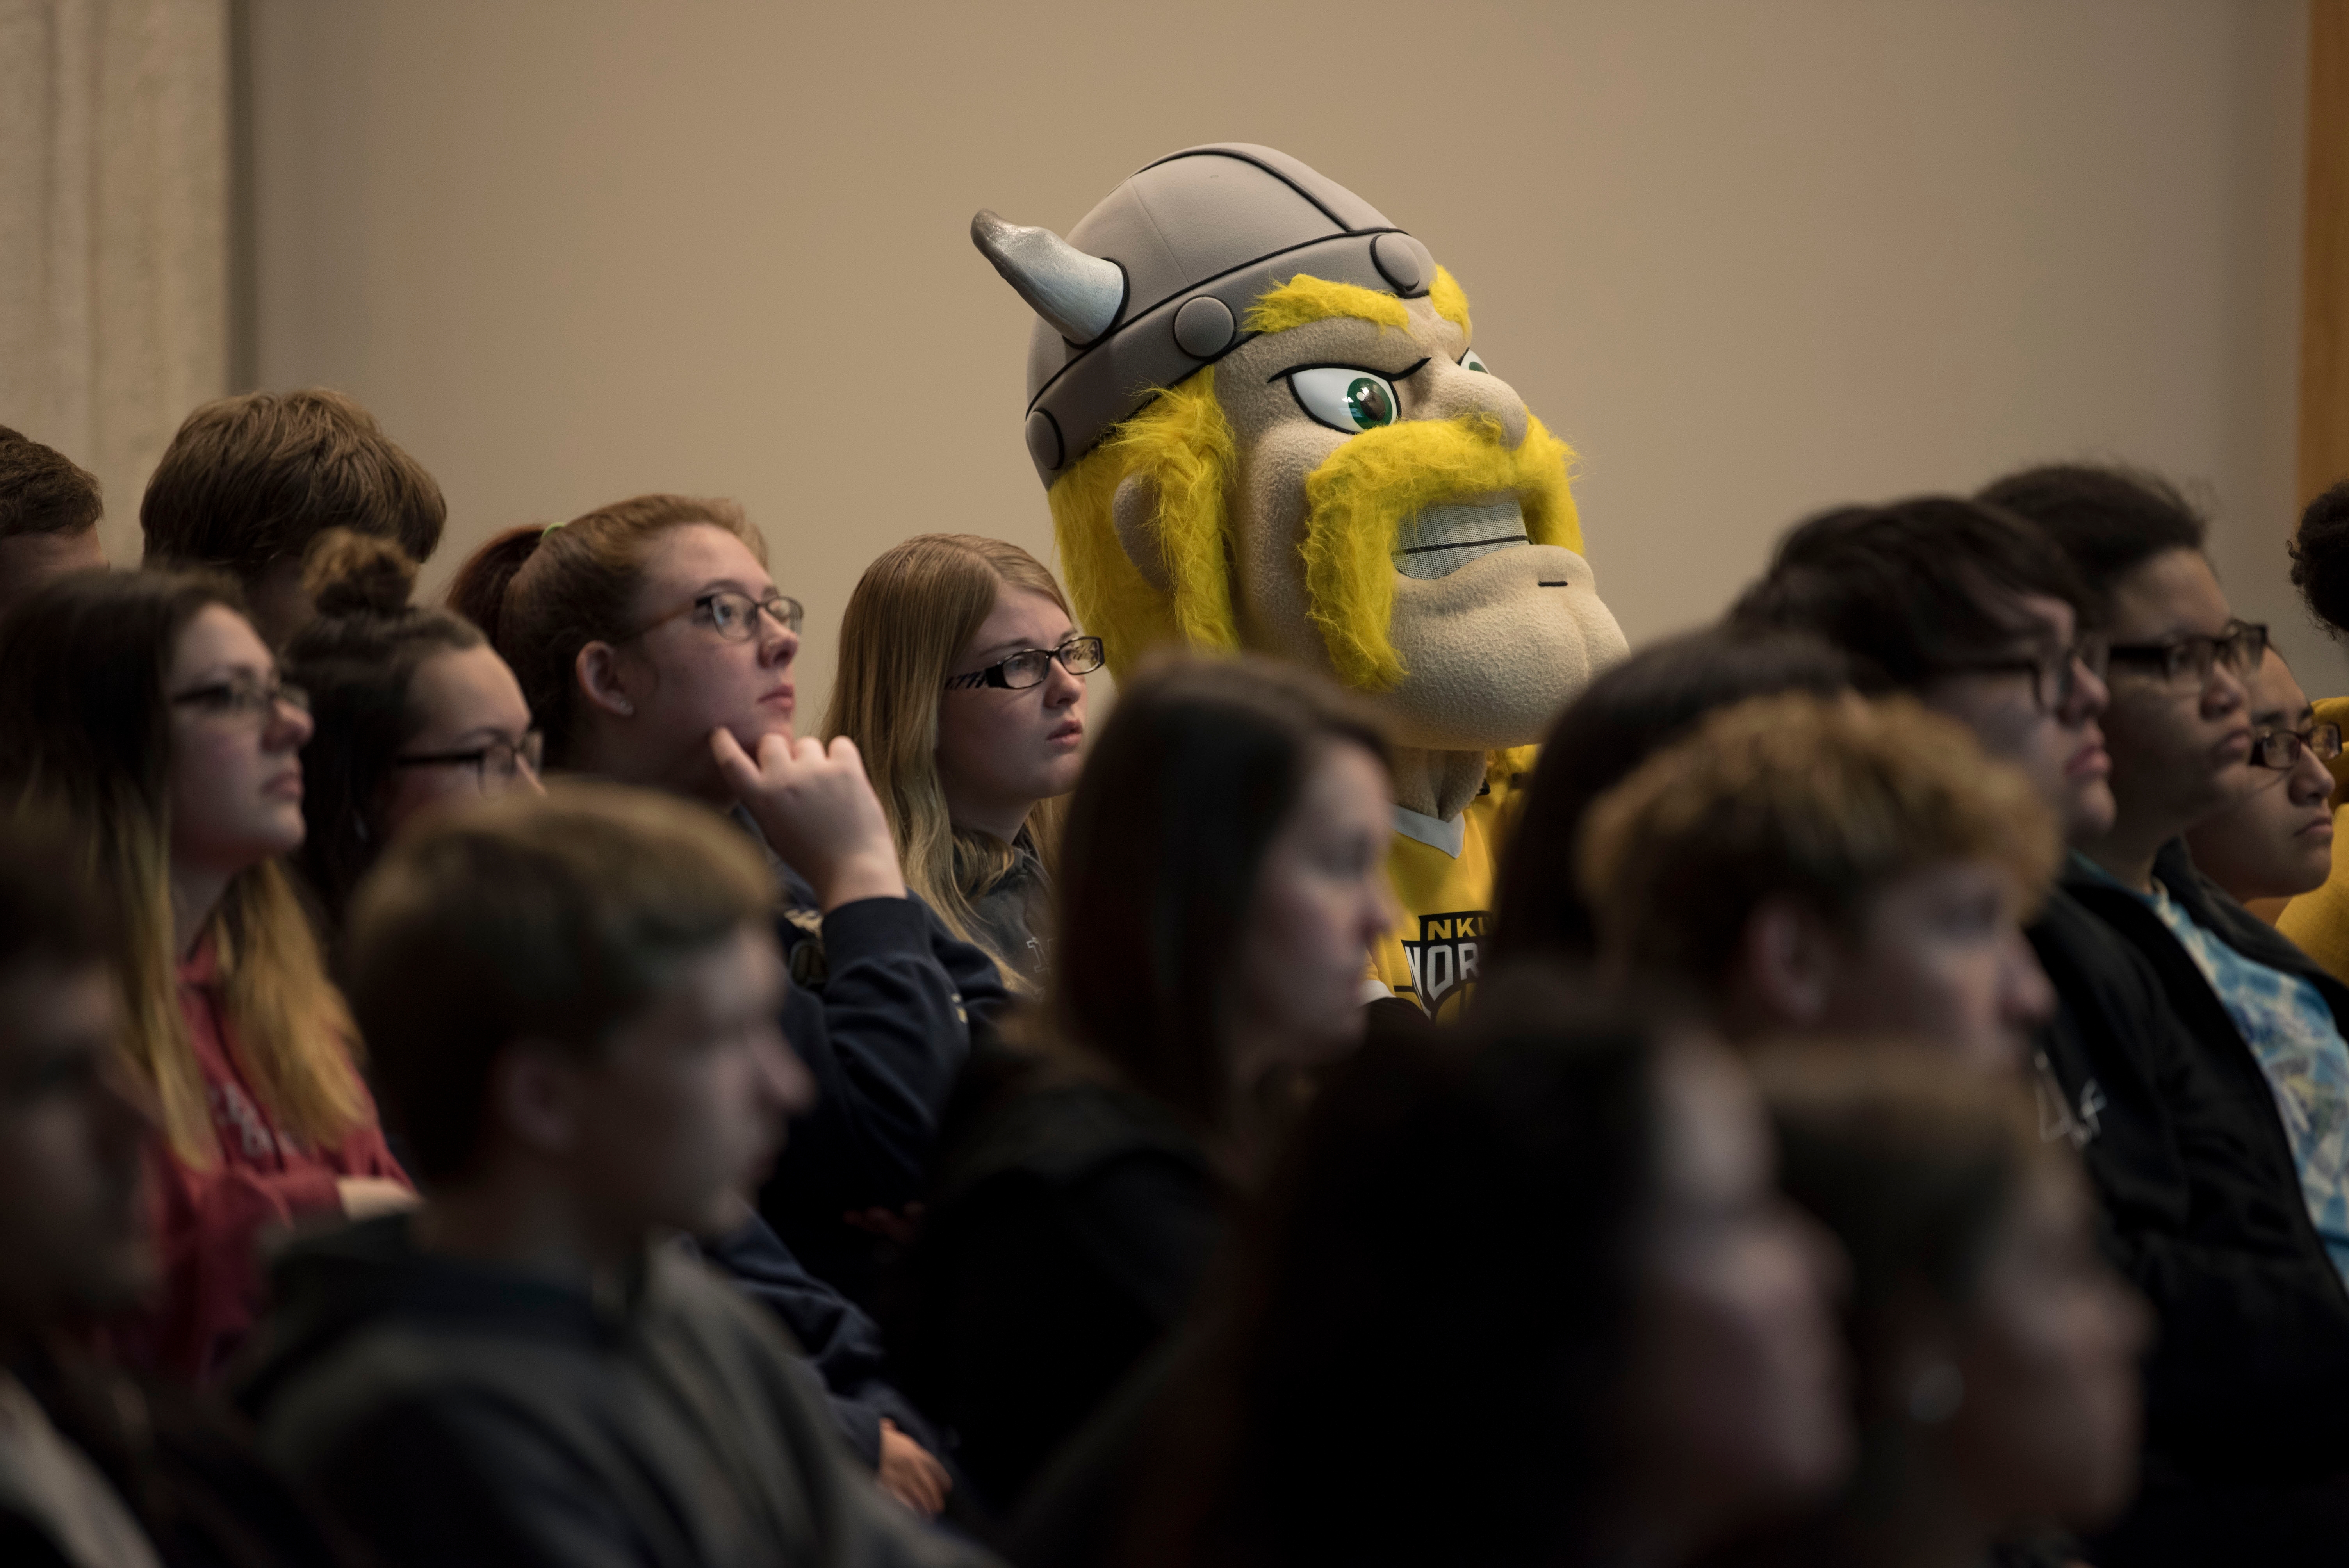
(2178, 721)
(1618, 720)
(1831, 863)
(2276, 839)
(2320, 558)
(249, 481)
(73, 1221)
(1640, 1351)
(605, 987)
(1974, 611)
(1997, 1351)
(1223, 877)
(48, 517)
(392, 686)
(953, 767)
(637, 629)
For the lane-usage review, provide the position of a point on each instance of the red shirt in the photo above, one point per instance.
(208, 1222)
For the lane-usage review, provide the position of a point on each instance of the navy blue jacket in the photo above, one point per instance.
(882, 1004)
(2247, 1390)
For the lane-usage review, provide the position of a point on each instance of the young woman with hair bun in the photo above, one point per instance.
(413, 710)
(655, 649)
(962, 682)
(141, 715)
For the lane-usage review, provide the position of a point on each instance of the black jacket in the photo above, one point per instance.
(842, 1344)
(1069, 1227)
(455, 1412)
(882, 1007)
(2247, 1386)
(184, 1466)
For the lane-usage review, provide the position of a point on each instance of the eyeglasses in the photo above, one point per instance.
(244, 698)
(1029, 666)
(2241, 648)
(2054, 677)
(2280, 748)
(497, 765)
(735, 616)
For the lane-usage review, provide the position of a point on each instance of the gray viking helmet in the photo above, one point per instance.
(1154, 283)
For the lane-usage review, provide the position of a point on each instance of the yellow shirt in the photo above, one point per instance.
(1442, 874)
(2319, 921)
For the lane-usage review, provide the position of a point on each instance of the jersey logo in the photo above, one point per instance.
(1444, 959)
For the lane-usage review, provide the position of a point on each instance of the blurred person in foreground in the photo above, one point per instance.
(1522, 1295)
(574, 1002)
(1833, 865)
(1997, 1398)
(96, 1470)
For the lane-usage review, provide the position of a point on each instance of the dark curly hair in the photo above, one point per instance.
(2320, 558)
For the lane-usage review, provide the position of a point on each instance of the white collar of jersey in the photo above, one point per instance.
(1433, 832)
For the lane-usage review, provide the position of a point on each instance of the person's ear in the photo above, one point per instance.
(1787, 960)
(1133, 511)
(534, 1095)
(603, 680)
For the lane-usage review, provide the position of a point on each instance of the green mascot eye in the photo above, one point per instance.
(1471, 360)
(1346, 397)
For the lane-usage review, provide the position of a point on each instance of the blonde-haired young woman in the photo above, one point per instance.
(142, 715)
(962, 682)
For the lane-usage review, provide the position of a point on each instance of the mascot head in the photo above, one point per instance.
(1256, 409)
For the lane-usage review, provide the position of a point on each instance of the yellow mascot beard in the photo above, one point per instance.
(1362, 499)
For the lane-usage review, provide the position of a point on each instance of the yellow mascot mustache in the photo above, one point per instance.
(1361, 498)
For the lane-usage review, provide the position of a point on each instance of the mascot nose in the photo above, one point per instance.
(1459, 391)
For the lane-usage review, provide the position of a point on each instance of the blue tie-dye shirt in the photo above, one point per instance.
(2291, 1031)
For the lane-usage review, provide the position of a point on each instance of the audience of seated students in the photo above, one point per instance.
(411, 708)
(520, 1372)
(1830, 864)
(962, 684)
(2319, 921)
(141, 712)
(1524, 1295)
(2251, 1423)
(655, 649)
(48, 517)
(415, 711)
(96, 1470)
(1996, 1396)
(1223, 878)
(2276, 841)
(1622, 717)
(249, 481)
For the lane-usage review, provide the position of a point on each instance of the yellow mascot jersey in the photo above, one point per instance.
(1433, 955)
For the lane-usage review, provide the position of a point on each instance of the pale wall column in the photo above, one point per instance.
(113, 231)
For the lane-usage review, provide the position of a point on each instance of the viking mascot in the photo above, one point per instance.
(1260, 422)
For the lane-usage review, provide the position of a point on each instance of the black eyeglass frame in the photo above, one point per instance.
(529, 754)
(243, 699)
(2088, 651)
(997, 674)
(2200, 654)
(2316, 738)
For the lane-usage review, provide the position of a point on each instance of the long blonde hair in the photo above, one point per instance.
(911, 615)
(85, 749)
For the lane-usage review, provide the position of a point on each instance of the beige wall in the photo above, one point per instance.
(1749, 258)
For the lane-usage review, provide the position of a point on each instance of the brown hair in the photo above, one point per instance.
(1192, 777)
(41, 489)
(252, 479)
(914, 610)
(85, 742)
(356, 659)
(556, 917)
(542, 593)
(1826, 800)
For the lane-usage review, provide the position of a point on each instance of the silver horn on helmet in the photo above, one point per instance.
(1079, 295)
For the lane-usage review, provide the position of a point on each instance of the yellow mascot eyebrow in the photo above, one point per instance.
(1450, 302)
(1305, 298)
